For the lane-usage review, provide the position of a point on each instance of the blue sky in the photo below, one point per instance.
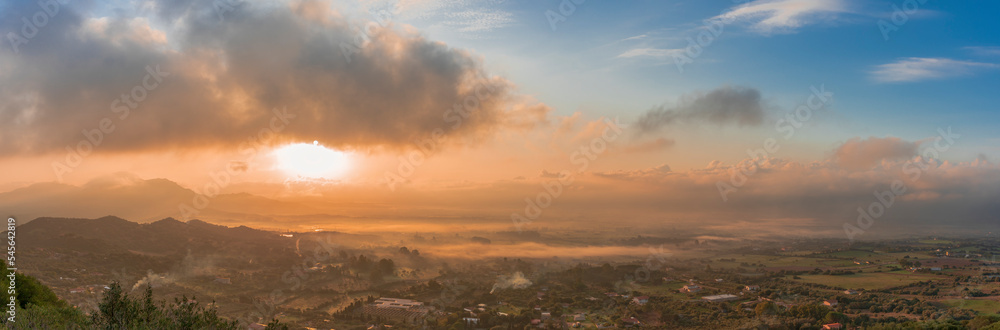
(839, 44)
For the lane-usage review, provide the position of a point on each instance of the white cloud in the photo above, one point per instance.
(984, 51)
(918, 68)
(641, 36)
(768, 16)
(650, 52)
(479, 20)
(472, 19)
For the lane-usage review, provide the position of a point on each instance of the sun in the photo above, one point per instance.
(312, 160)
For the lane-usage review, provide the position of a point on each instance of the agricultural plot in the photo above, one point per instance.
(870, 281)
(979, 305)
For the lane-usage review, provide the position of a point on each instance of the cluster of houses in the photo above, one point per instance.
(93, 288)
(398, 309)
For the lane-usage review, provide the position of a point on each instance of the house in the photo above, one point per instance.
(833, 326)
(830, 303)
(691, 288)
(397, 303)
(719, 298)
(546, 315)
(536, 322)
(850, 292)
(640, 300)
(751, 288)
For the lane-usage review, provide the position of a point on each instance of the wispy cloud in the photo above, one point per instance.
(641, 36)
(650, 52)
(473, 19)
(918, 68)
(479, 20)
(984, 51)
(769, 16)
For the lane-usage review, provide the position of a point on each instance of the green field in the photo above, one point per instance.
(666, 289)
(938, 241)
(851, 254)
(780, 261)
(984, 306)
(870, 281)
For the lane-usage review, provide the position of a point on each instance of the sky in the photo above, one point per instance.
(662, 112)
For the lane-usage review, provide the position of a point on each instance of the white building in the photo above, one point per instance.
(397, 303)
(720, 298)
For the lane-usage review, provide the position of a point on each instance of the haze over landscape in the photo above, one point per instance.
(215, 147)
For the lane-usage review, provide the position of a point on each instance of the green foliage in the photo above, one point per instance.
(276, 325)
(984, 321)
(810, 311)
(766, 308)
(31, 291)
(48, 317)
(117, 310)
(835, 317)
(39, 308)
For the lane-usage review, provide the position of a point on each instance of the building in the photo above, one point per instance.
(397, 303)
(580, 317)
(629, 322)
(833, 326)
(640, 300)
(850, 292)
(409, 315)
(691, 288)
(405, 310)
(830, 303)
(720, 298)
(751, 288)
(935, 269)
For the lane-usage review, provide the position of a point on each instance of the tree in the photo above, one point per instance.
(31, 291)
(835, 317)
(387, 266)
(766, 308)
(39, 308)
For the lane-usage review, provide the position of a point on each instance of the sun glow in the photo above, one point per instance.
(312, 160)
